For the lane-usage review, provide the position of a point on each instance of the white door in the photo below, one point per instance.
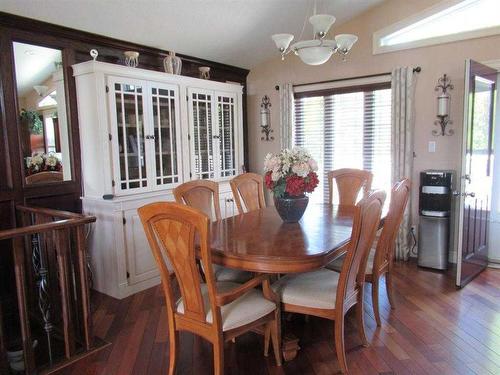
(128, 118)
(228, 136)
(202, 133)
(165, 135)
(141, 264)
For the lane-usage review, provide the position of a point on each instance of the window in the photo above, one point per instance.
(449, 21)
(49, 100)
(348, 127)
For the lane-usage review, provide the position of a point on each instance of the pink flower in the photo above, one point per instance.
(313, 165)
(301, 169)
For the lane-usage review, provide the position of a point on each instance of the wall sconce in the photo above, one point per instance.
(443, 106)
(265, 119)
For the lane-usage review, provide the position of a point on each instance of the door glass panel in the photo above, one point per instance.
(165, 136)
(225, 108)
(130, 130)
(202, 137)
(480, 137)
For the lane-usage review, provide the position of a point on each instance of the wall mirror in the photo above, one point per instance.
(43, 119)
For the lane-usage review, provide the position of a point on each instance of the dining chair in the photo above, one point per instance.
(204, 196)
(218, 311)
(328, 294)
(248, 192)
(349, 183)
(381, 257)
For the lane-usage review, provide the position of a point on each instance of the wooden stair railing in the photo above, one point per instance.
(52, 286)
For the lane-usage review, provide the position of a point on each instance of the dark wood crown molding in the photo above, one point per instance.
(83, 37)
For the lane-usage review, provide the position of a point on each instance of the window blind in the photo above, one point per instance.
(348, 127)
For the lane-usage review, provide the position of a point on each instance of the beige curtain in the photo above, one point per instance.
(403, 84)
(286, 115)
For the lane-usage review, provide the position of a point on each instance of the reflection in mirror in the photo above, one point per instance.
(42, 111)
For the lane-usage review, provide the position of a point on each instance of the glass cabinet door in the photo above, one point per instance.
(203, 165)
(130, 135)
(227, 136)
(166, 134)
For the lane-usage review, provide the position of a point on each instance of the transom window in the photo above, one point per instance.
(448, 21)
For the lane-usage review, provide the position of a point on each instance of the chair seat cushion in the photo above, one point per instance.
(317, 289)
(336, 264)
(231, 274)
(248, 308)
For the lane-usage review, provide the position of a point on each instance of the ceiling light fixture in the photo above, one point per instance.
(318, 50)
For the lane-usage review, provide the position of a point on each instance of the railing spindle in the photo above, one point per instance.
(20, 274)
(3, 351)
(62, 245)
(84, 285)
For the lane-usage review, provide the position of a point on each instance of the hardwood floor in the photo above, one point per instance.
(435, 329)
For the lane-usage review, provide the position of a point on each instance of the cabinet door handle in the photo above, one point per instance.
(150, 137)
(229, 200)
(216, 137)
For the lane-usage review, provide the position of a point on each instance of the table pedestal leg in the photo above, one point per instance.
(290, 347)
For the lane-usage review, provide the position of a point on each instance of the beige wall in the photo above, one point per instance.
(434, 60)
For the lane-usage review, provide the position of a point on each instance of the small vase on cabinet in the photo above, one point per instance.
(172, 64)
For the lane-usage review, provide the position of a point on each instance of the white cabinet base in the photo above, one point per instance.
(121, 260)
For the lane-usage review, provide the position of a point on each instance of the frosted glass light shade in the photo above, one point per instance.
(345, 42)
(321, 23)
(314, 52)
(282, 41)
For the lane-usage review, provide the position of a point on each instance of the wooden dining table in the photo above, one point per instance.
(259, 241)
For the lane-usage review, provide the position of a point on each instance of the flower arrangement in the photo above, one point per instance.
(291, 173)
(43, 163)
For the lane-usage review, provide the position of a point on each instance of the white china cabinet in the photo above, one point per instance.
(143, 133)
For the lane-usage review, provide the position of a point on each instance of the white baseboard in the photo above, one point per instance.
(494, 263)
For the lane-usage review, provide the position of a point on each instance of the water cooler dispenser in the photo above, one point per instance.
(435, 207)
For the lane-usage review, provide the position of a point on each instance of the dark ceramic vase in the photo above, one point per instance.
(291, 209)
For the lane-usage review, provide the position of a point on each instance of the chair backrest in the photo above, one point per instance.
(202, 195)
(171, 229)
(349, 183)
(400, 194)
(248, 190)
(364, 228)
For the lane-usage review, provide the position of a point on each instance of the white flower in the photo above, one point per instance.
(51, 160)
(301, 169)
(36, 160)
(276, 175)
(285, 168)
(271, 162)
(296, 160)
(313, 165)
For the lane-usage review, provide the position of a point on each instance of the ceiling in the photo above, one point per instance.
(34, 64)
(235, 32)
